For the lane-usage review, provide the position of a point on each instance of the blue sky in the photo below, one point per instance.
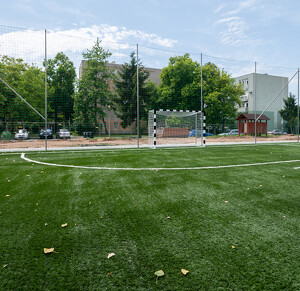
(264, 31)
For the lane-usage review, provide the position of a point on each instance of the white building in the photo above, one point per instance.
(262, 89)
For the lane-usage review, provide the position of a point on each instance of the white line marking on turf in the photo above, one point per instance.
(155, 169)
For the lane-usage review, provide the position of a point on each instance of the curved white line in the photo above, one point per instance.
(155, 169)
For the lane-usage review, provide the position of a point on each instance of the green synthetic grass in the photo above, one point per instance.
(151, 220)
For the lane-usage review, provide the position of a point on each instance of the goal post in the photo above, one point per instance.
(176, 128)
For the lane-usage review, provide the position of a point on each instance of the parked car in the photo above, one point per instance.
(44, 133)
(276, 132)
(22, 134)
(233, 132)
(63, 133)
(199, 133)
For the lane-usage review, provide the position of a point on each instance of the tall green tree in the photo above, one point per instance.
(61, 76)
(181, 89)
(125, 102)
(26, 80)
(289, 112)
(94, 93)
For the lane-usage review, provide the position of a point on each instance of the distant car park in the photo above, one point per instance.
(43, 134)
(199, 133)
(63, 133)
(276, 132)
(22, 134)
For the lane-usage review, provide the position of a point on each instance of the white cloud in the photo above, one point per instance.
(30, 45)
(246, 5)
(233, 30)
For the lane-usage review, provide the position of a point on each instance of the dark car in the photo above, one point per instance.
(44, 133)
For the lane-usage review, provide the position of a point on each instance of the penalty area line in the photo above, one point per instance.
(156, 169)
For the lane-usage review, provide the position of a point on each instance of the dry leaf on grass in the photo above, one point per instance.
(158, 274)
(48, 251)
(111, 255)
(233, 247)
(7, 195)
(184, 271)
(5, 266)
(64, 225)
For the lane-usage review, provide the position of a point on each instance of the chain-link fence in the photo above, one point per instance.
(76, 91)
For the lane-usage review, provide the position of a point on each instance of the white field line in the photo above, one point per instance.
(155, 169)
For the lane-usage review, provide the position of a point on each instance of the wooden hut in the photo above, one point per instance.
(247, 124)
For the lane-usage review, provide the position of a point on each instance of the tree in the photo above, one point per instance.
(175, 89)
(26, 80)
(125, 102)
(181, 89)
(61, 77)
(289, 112)
(94, 94)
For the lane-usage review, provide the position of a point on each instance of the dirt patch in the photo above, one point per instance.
(131, 141)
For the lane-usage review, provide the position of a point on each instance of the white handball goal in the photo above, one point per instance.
(176, 128)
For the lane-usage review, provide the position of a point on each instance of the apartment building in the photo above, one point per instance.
(260, 90)
(113, 123)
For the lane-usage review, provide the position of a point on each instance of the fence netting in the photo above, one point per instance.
(67, 90)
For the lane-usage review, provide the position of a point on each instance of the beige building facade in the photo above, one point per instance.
(113, 122)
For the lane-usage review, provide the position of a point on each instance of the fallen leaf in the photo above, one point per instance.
(184, 271)
(111, 255)
(46, 224)
(159, 273)
(5, 266)
(233, 247)
(168, 217)
(64, 225)
(260, 185)
(108, 274)
(7, 195)
(36, 204)
(90, 202)
(48, 251)
(225, 201)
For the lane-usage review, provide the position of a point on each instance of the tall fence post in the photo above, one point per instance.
(46, 132)
(137, 97)
(201, 104)
(255, 102)
(298, 110)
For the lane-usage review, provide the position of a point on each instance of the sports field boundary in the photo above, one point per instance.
(155, 169)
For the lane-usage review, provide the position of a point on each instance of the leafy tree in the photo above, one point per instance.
(11, 71)
(181, 89)
(289, 112)
(61, 76)
(177, 84)
(126, 88)
(28, 81)
(94, 94)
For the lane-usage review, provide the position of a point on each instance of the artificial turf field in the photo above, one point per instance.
(231, 228)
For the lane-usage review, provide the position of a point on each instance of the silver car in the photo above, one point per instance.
(63, 133)
(22, 134)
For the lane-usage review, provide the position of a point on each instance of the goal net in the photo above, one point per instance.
(176, 128)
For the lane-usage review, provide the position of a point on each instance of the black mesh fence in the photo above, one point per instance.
(77, 91)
